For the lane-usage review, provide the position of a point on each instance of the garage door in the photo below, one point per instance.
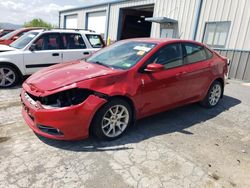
(97, 21)
(71, 22)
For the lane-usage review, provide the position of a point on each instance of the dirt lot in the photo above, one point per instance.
(186, 147)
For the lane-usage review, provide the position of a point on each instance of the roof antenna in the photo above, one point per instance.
(180, 35)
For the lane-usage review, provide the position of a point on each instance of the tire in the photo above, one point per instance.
(108, 126)
(213, 96)
(8, 76)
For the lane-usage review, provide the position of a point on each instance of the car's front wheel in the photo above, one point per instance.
(8, 76)
(112, 120)
(213, 96)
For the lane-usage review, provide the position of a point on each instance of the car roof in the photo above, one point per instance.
(65, 31)
(163, 40)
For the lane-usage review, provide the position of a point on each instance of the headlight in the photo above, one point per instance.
(63, 99)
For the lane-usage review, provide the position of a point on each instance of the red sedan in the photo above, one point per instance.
(14, 35)
(126, 81)
(5, 32)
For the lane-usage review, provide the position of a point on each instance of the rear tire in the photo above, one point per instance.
(112, 120)
(8, 76)
(213, 96)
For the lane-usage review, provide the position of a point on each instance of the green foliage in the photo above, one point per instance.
(38, 22)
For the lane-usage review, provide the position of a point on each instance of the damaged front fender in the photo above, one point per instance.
(72, 121)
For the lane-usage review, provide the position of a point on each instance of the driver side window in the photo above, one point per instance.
(48, 42)
(170, 56)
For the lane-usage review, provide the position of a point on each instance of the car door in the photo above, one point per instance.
(166, 88)
(197, 61)
(74, 47)
(46, 51)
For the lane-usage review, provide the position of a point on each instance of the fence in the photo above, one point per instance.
(240, 63)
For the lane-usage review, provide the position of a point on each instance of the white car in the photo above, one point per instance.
(41, 48)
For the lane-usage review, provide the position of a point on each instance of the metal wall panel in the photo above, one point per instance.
(240, 64)
(236, 11)
(247, 70)
(247, 36)
(234, 65)
(181, 10)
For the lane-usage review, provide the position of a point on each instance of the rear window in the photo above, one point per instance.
(95, 40)
(194, 53)
(73, 41)
(209, 53)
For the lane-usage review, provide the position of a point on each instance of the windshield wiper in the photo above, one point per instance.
(99, 63)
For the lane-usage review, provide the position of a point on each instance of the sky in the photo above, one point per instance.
(20, 11)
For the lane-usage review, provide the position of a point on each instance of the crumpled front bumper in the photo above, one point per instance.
(72, 122)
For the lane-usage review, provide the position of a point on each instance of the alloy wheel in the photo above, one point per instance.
(115, 121)
(215, 95)
(7, 77)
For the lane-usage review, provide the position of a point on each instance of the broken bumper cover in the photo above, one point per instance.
(67, 123)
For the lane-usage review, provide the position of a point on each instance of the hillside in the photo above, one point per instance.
(9, 26)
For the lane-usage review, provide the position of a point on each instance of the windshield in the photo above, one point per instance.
(24, 40)
(10, 35)
(122, 55)
(95, 40)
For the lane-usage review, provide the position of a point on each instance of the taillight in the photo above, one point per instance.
(227, 63)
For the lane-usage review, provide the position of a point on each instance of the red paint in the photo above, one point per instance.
(15, 35)
(154, 68)
(151, 92)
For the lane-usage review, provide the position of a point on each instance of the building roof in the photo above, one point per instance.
(92, 4)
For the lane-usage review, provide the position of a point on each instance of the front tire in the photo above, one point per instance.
(112, 120)
(8, 76)
(213, 96)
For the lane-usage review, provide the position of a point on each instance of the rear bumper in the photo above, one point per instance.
(71, 122)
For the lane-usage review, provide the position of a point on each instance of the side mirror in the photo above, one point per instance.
(32, 47)
(154, 67)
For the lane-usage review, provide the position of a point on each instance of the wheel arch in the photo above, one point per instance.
(222, 84)
(219, 79)
(129, 101)
(14, 67)
(122, 97)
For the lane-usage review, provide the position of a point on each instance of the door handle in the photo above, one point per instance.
(85, 53)
(180, 73)
(55, 54)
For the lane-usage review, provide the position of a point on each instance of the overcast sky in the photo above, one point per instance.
(20, 11)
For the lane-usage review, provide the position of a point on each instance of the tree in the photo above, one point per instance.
(38, 22)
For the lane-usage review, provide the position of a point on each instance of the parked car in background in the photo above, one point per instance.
(5, 31)
(42, 48)
(14, 35)
(119, 84)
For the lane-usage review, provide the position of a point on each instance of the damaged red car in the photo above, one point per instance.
(129, 80)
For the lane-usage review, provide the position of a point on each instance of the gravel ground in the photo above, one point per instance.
(185, 147)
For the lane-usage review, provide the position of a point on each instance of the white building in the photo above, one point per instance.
(222, 24)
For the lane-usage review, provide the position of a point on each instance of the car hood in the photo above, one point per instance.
(61, 75)
(4, 48)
